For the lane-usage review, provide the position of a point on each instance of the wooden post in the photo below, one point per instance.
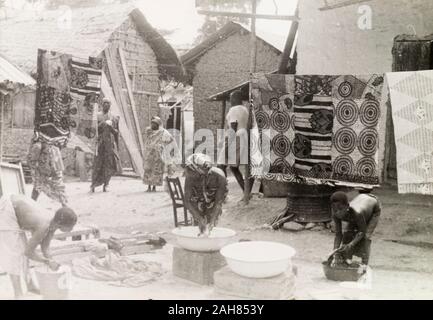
(290, 43)
(182, 128)
(2, 125)
(131, 99)
(247, 184)
(223, 120)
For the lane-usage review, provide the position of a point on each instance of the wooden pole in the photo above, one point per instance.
(223, 119)
(182, 128)
(247, 184)
(290, 43)
(2, 125)
(131, 99)
(247, 15)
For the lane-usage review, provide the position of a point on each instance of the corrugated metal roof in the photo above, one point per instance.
(10, 73)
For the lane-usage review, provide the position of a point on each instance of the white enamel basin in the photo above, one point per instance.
(258, 259)
(187, 238)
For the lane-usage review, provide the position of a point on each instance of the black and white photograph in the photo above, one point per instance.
(229, 151)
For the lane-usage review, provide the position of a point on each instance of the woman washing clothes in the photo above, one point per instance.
(205, 191)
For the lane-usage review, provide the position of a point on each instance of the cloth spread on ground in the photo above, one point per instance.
(321, 128)
(12, 239)
(120, 271)
(412, 112)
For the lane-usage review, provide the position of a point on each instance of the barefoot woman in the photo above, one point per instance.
(19, 214)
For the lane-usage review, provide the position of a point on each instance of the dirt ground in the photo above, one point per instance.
(400, 270)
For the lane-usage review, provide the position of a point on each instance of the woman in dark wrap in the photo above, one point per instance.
(106, 162)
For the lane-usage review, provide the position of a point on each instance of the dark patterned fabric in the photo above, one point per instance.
(68, 91)
(107, 160)
(320, 127)
(314, 113)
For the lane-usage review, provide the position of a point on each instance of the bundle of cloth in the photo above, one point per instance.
(117, 270)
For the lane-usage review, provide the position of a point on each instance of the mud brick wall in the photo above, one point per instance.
(142, 68)
(221, 68)
(16, 141)
(330, 41)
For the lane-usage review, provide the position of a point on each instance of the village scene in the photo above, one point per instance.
(216, 150)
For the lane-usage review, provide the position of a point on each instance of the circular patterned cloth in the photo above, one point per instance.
(345, 89)
(274, 104)
(280, 121)
(370, 113)
(347, 112)
(343, 165)
(281, 145)
(366, 167)
(368, 142)
(345, 140)
(263, 120)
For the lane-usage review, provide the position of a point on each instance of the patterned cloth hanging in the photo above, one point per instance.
(274, 114)
(321, 128)
(68, 89)
(412, 112)
(53, 98)
(357, 101)
(313, 124)
(85, 88)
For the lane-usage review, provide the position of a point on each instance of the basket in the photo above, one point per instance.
(309, 203)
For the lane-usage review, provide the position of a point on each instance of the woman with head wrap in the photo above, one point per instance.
(205, 191)
(158, 148)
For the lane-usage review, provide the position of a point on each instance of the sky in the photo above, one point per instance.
(182, 17)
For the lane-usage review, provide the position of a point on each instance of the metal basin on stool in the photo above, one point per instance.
(258, 259)
(187, 238)
(342, 273)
